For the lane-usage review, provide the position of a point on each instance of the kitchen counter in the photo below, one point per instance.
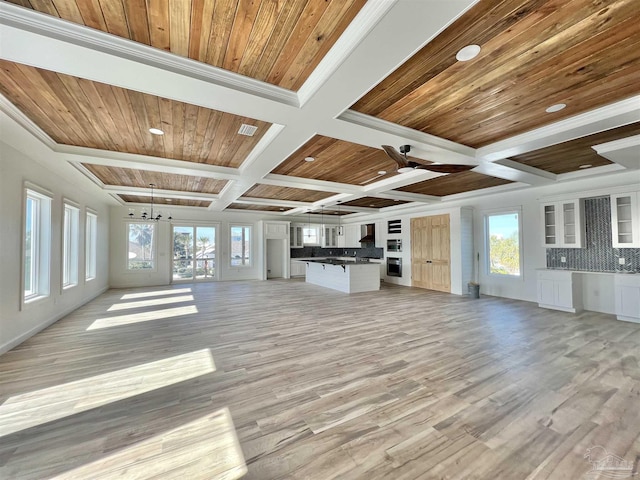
(344, 275)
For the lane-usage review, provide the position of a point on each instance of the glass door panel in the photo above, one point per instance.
(205, 252)
(194, 253)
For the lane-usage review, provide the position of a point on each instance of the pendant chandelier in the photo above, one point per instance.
(340, 228)
(147, 213)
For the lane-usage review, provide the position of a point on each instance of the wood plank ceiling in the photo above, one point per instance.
(128, 177)
(165, 201)
(278, 42)
(454, 183)
(74, 111)
(569, 156)
(583, 53)
(286, 193)
(337, 161)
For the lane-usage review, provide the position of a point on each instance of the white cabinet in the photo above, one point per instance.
(295, 236)
(627, 292)
(330, 236)
(625, 220)
(379, 234)
(563, 224)
(276, 229)
(560, 290)
(352, 236)
(297, 268)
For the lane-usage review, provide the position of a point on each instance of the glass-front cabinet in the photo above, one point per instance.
(625, 220)
(295, 236)
(330, 238)
(563, 224)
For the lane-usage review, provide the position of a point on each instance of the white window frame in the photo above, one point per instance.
(40, 271)
(154, 249)
(70, 244)
(318, 229)
(250, 245)
(90, 245)
(503, 211)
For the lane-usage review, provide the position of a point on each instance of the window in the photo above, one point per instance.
(141, 242)
(310, 236)
(194, 252)
(90, 247)
(240, 246)
(37, 245)
(504, 245)
(70, 246)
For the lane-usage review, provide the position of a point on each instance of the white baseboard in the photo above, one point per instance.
(21, 338)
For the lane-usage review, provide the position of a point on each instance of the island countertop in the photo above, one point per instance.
(349, 276)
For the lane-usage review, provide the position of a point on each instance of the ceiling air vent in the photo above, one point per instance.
(247, 130)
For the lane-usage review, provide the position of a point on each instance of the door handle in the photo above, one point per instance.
(429, 261)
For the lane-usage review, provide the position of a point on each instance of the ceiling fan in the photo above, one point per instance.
(406, 165)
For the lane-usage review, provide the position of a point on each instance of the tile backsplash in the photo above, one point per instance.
(306, 252)
(598, 254)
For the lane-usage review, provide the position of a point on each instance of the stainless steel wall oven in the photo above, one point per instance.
(394, 267)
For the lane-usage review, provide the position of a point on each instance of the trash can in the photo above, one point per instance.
(474, 290)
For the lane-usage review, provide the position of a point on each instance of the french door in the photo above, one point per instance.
(194, 253)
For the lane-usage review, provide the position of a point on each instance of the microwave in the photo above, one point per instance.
(394, 245)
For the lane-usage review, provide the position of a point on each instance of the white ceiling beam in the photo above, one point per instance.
(271, 202)
(625, 152)
(146, 192)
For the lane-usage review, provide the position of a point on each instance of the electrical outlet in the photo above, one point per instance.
(563, 259)
(621, 261)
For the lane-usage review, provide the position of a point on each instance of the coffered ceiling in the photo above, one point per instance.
(325, 83)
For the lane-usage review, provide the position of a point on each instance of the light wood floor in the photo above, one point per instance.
(315, 384)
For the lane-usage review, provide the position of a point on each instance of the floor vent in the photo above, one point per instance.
(247, 130)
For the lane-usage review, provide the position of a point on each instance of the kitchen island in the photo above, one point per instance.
(349, 276)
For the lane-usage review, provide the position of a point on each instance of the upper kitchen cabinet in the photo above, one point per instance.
(625, 220)
(563, 224)
(330, 236)
(295, 236)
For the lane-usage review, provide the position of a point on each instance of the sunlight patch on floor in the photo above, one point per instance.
(150, 303)
(142, 317)
(34, 408)
(203, 448)
(157, 293)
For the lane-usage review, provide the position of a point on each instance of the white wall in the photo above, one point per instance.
(121, 277)
(17, 325)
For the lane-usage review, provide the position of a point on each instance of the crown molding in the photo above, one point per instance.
(271, 202)
(309, 184)
(80, 35)
(87, 173)
(600, 119)
(358, 29)
(590, 172)
(629, 142)
(25, 122)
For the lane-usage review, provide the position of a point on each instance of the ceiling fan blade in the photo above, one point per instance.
(395, 155)
(443, 167)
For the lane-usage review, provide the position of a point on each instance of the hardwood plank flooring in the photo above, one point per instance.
(286, 380)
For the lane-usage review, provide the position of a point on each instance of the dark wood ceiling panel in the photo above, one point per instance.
(454, 183)
(337, 161)
(286, 193)
(80, 112)
(568, 156)
(261, 208)
(279, 42)
(373, 202)
(534, 54)
(165, 202)
(128, 177)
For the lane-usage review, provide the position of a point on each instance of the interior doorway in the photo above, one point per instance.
(431, 252)
(276, 258)
(194, 253)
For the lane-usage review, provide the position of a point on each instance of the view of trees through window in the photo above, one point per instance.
(503, 232)
(141, 246)
(240, 246)
(194, 249)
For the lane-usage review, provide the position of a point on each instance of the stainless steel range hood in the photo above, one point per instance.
(369, 232)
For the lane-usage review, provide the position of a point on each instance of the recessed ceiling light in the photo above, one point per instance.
(468, 53)
(156, 131)
(372, 205)
(396, 199)
(382, 172)
(587, 165)
(556, 108)
(405, 169)
(309, 159)
(169, 200)
(282, 209)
